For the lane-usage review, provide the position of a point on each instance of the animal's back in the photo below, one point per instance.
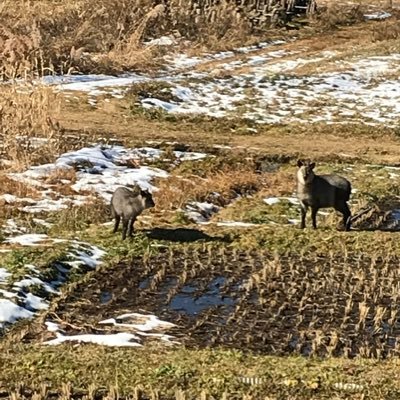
(341, 184)
(330, 190)
(122, 201)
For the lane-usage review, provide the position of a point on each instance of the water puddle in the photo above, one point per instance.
(191, 300)
(105, 297)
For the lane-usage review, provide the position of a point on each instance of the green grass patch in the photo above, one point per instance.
(256, 211)
(211, 371)
(43, 258)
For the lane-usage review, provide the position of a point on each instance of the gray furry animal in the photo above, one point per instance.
(128, 205)
(321, 191)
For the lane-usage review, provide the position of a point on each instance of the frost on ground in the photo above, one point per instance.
(143, 327)
(17, 295)
(266, 85)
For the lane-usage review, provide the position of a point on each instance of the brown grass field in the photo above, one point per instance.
(262, 310)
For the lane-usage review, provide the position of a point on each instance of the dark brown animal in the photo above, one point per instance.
(321, 191)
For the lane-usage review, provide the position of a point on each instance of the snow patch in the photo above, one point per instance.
(161, 41)
(275, 200)
(4, 274)
(28, 239)
(19, 302)
(140, 324)
(357, 94)
(10, 312)
(379, 15)
(121, 339)
(236, 224)
(201, 212)
(100, 170)
(93, 84)
(149, 322)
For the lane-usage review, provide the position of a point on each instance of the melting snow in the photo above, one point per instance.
(151, 322)
(33, 302)
(272, 200)
(161, 41)
(183, 61)
(91, 83)
(275, 200)
(99, 170)
(379, 15)
(140, 324)
(10, 312)
(29, 239)
(11, 227)
(24, 303)
(52, 327)
(4, 274)
(7, 294)
(235, 224)
(201, 212)
(359, 93)
(118, 339)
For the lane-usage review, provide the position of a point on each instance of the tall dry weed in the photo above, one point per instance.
(29, 131)
(21, 53)
(221, 26)
(387, 30)
(41, 37)
(336, 15)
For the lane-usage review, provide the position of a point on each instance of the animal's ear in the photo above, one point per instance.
(299, 163)
(312, 165)
(136, 189)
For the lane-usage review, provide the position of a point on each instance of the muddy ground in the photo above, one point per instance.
(218, 295)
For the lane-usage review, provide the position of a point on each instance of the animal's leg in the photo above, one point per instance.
(130, 228)
(314, 211)
(303, 211)
(345, 210)
(125, 223)
(117, 219)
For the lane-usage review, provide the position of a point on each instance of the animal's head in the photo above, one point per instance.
(147, 199)
(305, 173)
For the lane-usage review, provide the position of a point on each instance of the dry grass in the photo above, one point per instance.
(279, 183)
(42, 37)
(29, 130)
(60, 181)
(387, 30)
(365, 3)
(16, 188)
(219, 188)
(336, 15)
(61, 174)
(77, 218)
